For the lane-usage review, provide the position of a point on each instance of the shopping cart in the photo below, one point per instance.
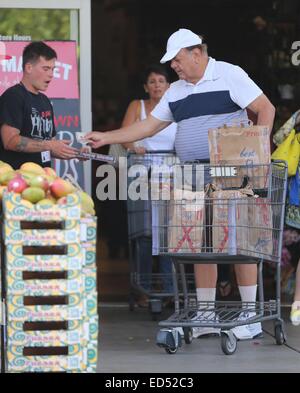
(155, 171)
(215, 228)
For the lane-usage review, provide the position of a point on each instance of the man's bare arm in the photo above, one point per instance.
(132, 133)
(12, 140)
(265, 112)
(27, 145)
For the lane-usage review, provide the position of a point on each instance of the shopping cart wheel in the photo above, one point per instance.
(188, 335)
(228, 342)
(171, 351)
(131, 302)
(279, 334)
(169, 339)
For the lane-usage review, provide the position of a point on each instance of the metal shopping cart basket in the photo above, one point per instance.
(153, 171)
(223, 224)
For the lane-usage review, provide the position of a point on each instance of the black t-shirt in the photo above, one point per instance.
(30, 113)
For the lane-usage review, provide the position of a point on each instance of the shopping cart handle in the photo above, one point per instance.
(198, 161)
(281, 162)
(154, 152)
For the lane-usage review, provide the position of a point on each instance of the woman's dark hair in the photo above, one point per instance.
(33, 51)
(156, 69)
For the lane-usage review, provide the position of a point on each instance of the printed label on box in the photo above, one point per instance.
(44, 287)
(44, 338)
(44, 363)
(35, 237)
(16, 208)
(15, 259)
(16, 311)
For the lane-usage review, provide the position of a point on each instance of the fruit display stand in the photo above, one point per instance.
(2, 312)
(49, 275)
(88, 232)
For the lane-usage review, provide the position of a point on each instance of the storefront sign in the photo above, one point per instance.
(65, 78)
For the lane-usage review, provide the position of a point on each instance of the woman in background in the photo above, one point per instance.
(156, 82)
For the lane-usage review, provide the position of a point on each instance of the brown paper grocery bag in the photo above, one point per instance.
(230, 220)
(242, 145)
(185, 229)
(260, 231)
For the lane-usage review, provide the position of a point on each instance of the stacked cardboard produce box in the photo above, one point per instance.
(51, 298)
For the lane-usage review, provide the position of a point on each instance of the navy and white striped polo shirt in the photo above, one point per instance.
(219, 98)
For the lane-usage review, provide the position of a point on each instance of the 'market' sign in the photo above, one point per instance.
(63, 92)
(65, 78)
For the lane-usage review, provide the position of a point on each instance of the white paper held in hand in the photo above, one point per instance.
(80, 138)
(87, 153)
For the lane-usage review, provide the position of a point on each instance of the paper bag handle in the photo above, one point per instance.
(242, 123)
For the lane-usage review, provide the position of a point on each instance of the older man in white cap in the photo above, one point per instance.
(208, 94)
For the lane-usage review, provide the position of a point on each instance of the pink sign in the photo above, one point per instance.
(65, 81)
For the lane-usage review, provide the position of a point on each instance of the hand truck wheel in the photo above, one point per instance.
(188, 335)
(228, 342)
(279, 334)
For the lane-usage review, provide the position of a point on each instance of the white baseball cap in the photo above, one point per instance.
(182, 38)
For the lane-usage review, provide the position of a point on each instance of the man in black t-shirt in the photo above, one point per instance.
(26, 115)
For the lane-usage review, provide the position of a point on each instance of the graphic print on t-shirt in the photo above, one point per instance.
(42, 124)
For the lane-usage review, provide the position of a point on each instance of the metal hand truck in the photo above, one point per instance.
(216, 229)
(155, 170)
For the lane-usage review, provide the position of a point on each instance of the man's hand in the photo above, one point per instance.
(139, 150)
(135, 132)
(85, 149)
(12, 140)
(61, 149)
(95, 139)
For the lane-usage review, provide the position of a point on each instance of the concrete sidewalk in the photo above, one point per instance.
(127, 345)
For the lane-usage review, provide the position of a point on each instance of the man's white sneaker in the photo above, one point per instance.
(247, 332)
(205, 316)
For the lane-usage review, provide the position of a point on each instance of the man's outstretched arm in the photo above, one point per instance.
(12, 140)
(132, 133)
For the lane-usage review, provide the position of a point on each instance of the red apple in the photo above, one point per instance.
(17, 184)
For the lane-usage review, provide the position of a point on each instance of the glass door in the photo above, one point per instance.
(30, 20)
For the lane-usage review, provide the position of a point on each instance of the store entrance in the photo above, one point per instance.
(128, 35)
